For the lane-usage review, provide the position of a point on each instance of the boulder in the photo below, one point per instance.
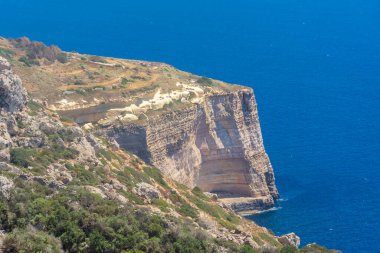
(5, 186)
(94, 143)
(147, 191)
(5, 143)
(86, 150)
(290, 239)
(4, 64)
(212, 196)
(4, 166)
(96, 190)
(12, 126)
(47, 127)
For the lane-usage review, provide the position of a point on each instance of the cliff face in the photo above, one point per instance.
(199, 131)
(48, 164)
(12, 94)
(216, 145)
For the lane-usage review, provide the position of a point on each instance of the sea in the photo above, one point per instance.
(315, 69)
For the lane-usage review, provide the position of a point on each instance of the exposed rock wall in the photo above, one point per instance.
(216, 145)
(13, 96)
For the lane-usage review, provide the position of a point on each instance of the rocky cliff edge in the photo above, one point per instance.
(199, 131)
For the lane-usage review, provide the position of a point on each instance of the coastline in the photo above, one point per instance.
(249, 205)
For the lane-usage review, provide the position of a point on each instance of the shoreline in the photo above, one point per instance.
(246, 206)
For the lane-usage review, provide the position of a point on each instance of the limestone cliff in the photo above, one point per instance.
(199, 131)
(216, 145)
(47, 166)
(76, 189)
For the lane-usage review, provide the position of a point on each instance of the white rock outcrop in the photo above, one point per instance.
(13, 96)
(5, 186)
(147, 191)
(290, 239)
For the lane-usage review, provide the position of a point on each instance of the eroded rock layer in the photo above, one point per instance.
(216, 145)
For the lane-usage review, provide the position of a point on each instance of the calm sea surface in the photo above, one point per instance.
(315, 68)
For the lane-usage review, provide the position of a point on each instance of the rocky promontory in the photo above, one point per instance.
(196, 130)
(113, 155)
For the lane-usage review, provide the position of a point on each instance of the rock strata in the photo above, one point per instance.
(216, 145)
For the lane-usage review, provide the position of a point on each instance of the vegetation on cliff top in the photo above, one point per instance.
(69, 81)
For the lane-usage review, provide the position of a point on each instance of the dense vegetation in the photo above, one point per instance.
(205, 81)
(84, 222)
(38, 218)
(34, 51)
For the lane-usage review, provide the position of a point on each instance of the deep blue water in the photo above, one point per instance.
(315, 68)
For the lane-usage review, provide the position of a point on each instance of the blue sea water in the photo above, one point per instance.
(315, 68)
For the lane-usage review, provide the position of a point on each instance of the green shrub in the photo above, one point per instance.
(138, 77)
(187, 210)
(34, 108)
(98, 243)
(79, 82)
(132, 197)
(190, 244)
(22, 157)
(182, 206)
(62, 58)
(156, 175)
(269, 239)
(205, 81)
(248, 249)
(95, 58)
(29, 62)
(83, 176)
(125, 81)
(39, 159)
(315, 248)
(289, 249)
(3, 217)
(6, 53)
(225, 218)
(199, 193)
(258, 240)
(30, 240)
(162, 204)
(125, 178)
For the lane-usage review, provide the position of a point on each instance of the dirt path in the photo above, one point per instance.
(105, 83)
(131, 86)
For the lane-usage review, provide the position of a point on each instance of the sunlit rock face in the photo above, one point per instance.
(216, 145)
(13, 96)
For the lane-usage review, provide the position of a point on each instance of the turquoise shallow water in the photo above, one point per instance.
(315, 68)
